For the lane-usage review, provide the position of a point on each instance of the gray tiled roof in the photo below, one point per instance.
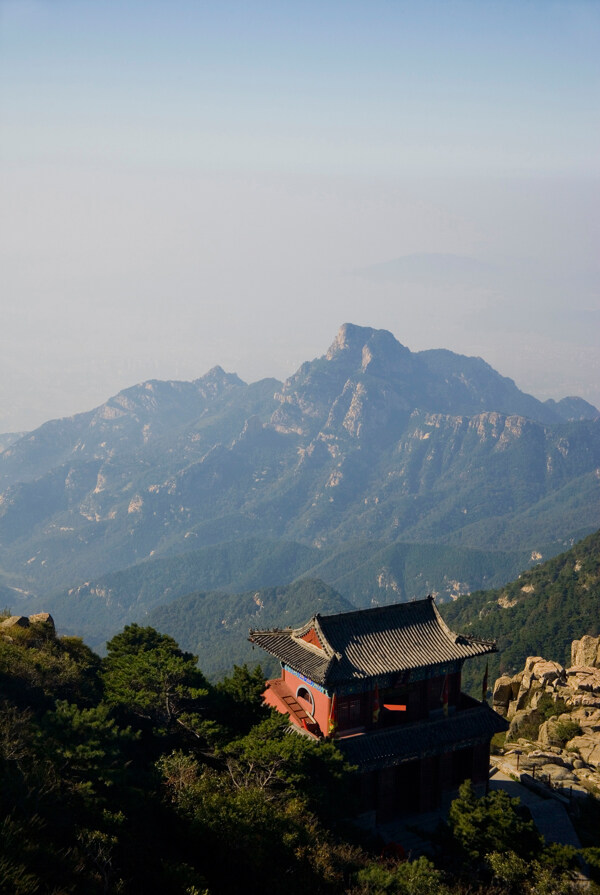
(309, 661)
(370, 643)
(396, 745)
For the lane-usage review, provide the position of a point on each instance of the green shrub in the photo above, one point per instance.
(492, 823)
(418, 877)
(566, 730)
(497, 743)
(592, 858)
(530, 728)
(548, 707)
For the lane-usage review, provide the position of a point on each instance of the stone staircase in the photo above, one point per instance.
(290, 704)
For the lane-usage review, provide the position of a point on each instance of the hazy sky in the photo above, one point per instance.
(193, 183)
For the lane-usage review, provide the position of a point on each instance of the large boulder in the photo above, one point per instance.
(502, 695)
(15, 621)
(539, 757)
(586, 700)
(584, 678)
(42, 618)
(530, 661)
(516, 683)
(586, 651)
(588, 747)
(548, 733)
(521, 720)
(588, 719)
(546, 672)
(529, 695)
(558, 774)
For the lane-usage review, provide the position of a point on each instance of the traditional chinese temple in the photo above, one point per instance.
(386, 683)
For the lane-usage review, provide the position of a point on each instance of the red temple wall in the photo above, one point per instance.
(421, 698)
(321, 700)
(270, 699)
(312, 637)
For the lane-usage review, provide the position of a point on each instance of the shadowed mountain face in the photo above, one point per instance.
(370, 441)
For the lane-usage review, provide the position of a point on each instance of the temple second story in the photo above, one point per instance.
(370, 669)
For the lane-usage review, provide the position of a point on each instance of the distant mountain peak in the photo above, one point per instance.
(355, 339)
(349, 336)
(573, 408)
(218, 376)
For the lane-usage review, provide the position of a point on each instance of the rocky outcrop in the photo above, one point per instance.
(554, 715)
(584, 680)
(525, 689)
(41, 618)
(14, 622)
(586, 652)
(503, 694)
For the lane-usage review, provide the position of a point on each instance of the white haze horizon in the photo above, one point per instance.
(187, 185)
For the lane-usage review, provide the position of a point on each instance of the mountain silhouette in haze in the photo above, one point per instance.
(368, 442)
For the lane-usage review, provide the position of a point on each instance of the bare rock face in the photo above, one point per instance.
(585, 679)
(575, 765)
(547, 671)
(42, 618)
(530, 692)
(587, 718)
(588, 747)
(516, 683)
(586, 701)
(539, 758)
(503, 695)
(558, 774)
(521, 719)
(586, 651)
(548, 733)
(531, 661)
(15, 621)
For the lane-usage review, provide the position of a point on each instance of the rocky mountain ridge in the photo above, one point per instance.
(129, 420)
(370, 441)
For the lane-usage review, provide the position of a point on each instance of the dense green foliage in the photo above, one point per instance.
(490, 824)
(146, 779)
(539, 614)
(148, 675)
(134, 775)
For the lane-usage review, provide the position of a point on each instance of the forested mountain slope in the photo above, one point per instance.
(364, 572)
(539, 614)
(215, 625)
